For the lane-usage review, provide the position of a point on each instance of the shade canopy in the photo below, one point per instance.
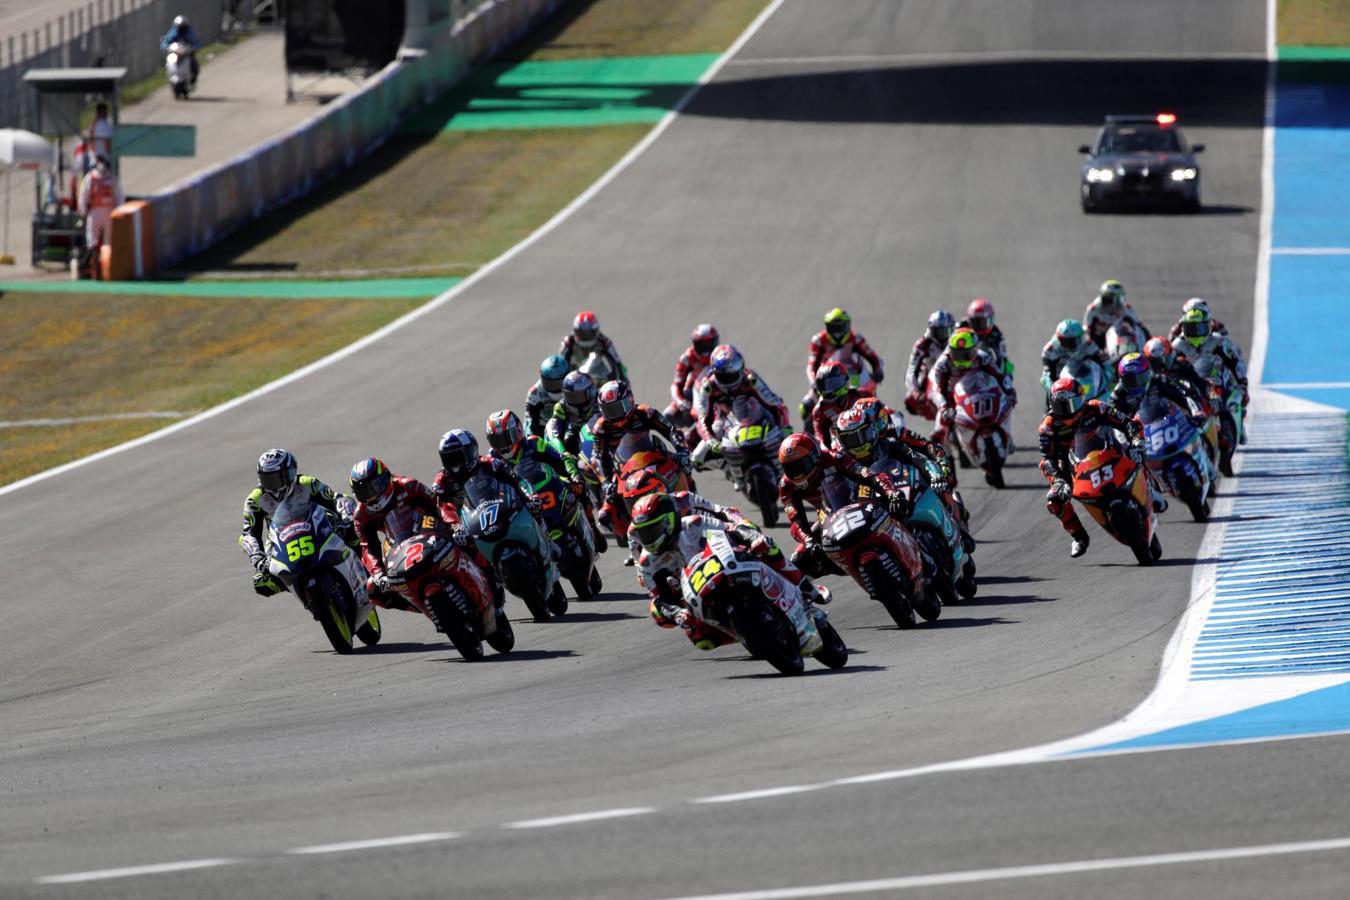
(23, 149)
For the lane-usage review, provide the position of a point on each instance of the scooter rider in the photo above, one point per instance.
(180, 32)
(927, 349)
(1068, 344)
(587, 338)
(729, 378)
(963, 354)
(1109, 308)
(1069, 413)
(836, 392)
(668, 543)
(838, 341)
(980, 319)
(278, 477)
(506, 436)
(692, 363)
(545, 393)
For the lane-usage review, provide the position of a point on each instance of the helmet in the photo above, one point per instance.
(372, 483)
(1194, 303)
(799, 455)
(639, 484)
(579, 393)
(838, 325)
(505, 433)
(940, 325)
(180, 21)
(459, 452)
(654, 521)
(875, 411)
(1196, 325)
(1069, 333)
(963, 347)
(1065, 398)
(277, 473)
(1112, 293)
(705, 339)
(1159, 354)
(1135, 373)
(552, 371)
(980, 315)
(832, 381)
(616, 402)
(586, 329)
(728, 366)
(857, 432)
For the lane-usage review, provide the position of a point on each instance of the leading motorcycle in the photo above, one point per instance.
(1115, 492)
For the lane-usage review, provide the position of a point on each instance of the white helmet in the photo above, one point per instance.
(180, 22)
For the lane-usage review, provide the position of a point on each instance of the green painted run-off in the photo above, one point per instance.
(567, 93)
(1298, 54)
(369, 289)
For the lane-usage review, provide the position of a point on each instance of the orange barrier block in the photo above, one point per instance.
(133, 243)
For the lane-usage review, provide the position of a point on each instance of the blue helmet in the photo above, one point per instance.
(579, 393)
(459, 452)
(372, 483)
(552, 371)
(728, 366)
(1135, 373)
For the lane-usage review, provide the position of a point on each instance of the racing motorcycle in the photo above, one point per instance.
(859, 376)
(1177, 454)
(876, 551)
(948, 569)
(599, 367)
(981, 423)
(1225, 399)
(750, 439)
(1095, 381)
(1115, 492)
(1123, 339)
(429, 570)
(645, 466)
(516, 543)
(567, 526)
(309, 556)
(734, 592)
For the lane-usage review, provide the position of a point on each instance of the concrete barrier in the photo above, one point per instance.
(194, 214)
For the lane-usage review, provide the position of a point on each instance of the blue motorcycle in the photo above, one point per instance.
(1176, 454)
(515, 542)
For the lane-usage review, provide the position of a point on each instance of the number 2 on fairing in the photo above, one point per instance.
(703, 573)
(303, 546)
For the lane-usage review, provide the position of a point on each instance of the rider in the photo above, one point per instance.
(805, 467)
(278, 476)
(838, 341)
(963, 354)
(545, 393)
(980, 319)
(1070, 413)
(506, 436)
(669, 541)
(460, 461)
(1107, 309)
(620, 416)
(388, 502)
(837, 393)
(1068, 345)
(927, 349)
(691, 364)
(1137, 383)
(1163, 360)
(1199, 340)
(730, 378)
(180, 32)
(1186, 307)
(587, 338)
(571, 414)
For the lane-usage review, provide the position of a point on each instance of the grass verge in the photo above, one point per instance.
(1313, 23)
(448, 202)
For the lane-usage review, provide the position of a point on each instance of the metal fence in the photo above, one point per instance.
(99, 33)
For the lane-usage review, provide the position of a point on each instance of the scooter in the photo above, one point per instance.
(178, 69)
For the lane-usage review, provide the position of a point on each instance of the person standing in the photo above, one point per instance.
(100, 194)
(100, 137)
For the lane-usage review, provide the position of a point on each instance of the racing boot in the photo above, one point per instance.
(815, 593)
(1079, 545)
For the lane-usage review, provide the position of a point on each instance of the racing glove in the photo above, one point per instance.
(461, 538)
(760, 546)
(266, 585)
(948, 416)
(682, 457)
(1059, 491)
(380, 582)
(939, 486)
(879, 374)
(610, 490)
(1200, 422)
(259, 561)
(1136, 452)
(899, 506)
(534, 504)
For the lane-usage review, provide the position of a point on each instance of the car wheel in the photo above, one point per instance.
(1088, 205)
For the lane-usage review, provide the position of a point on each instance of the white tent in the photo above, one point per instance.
(20, 149)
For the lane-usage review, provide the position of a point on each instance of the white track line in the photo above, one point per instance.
(959, 57)
(597, 816)
(441, 299)
(377, 843)
(972, 876)
(1312, 251)
(128, 871)
(80, 420)
(1312, 385)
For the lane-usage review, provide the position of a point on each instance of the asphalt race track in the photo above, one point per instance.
(155, 711)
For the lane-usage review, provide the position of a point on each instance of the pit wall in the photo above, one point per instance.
(199, 211)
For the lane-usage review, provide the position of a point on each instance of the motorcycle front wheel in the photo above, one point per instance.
(768, 634)
(833, 653)
(451, 613)
(328, 602)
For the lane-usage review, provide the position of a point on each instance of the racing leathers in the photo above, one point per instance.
(539, 404)
(1056, 438)
(399, 518)
(946, 373)
(1098, 319)
(1054, 357)
(848, 351)
(991, 341)
(565, 426)
(1216, 350)
(259, 506)
(794, 498)
(688, 368)
(642, 420)
(926, 351)
(1215, 326)
(1179, 392)
(540, 451)
(826, 411)
(575, 354)
(712, 398)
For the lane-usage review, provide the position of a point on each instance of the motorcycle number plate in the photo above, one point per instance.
(750, 433)
(705, 574)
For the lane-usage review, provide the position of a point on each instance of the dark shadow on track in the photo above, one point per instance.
(520, 655)
(404, 647)
(1009, 579)
(596, 617)
(809, 673)
(1003, 599)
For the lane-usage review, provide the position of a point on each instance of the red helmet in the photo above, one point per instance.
(586, 329)
(799, 455)
(616, 402)
(1159, 354)
(655, 521)
(857, 433)
(505, 433)
(705, 340)
(980, 315)
(1066, 399)
(639, 484)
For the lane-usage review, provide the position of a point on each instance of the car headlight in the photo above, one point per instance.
(1100, 175)
(1187, 174)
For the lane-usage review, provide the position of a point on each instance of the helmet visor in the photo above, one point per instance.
(1070, 342)
(1065, 405)
(855, 440)
(504, 441)
(981, 323)
(941, 333)
(551, 385)
(617, 409)
(578, 401)
(1136, 381)
(1195, 329)
(586, 334)
(650, 533)
(371, 489)
(729, 377)
(801, 468)
(457, 459)
(705, 346)
(275, 483)
(837, 330)
(963, 356)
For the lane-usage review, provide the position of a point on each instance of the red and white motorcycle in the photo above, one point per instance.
(981, 423)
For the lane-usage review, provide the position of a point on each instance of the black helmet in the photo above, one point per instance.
(277, 473)
(459, 452)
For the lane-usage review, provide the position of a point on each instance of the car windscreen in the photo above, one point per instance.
(1139, 140)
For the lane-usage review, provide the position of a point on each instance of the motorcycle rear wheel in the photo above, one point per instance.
(557, 600)
(370, 631)
(1191, 497)
(832, 653)
(769, 635)
(451, 612)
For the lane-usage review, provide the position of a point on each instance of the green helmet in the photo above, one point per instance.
(1112, 293)
(1069, 333)
(838, 324)
(1196, 325)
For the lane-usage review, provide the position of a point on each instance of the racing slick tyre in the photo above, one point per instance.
(596, 584)
(1227, 443)
(328, 603)
(582, 588)
(504, 638)
(557, 600)
(966, 585)
(928, 606)
(370, 632)
(1155, 549)
(993, 468)
(892, 596)
(832, 652)
(765, 494)
(768, 634)
(1191, 497)
(450, 612)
